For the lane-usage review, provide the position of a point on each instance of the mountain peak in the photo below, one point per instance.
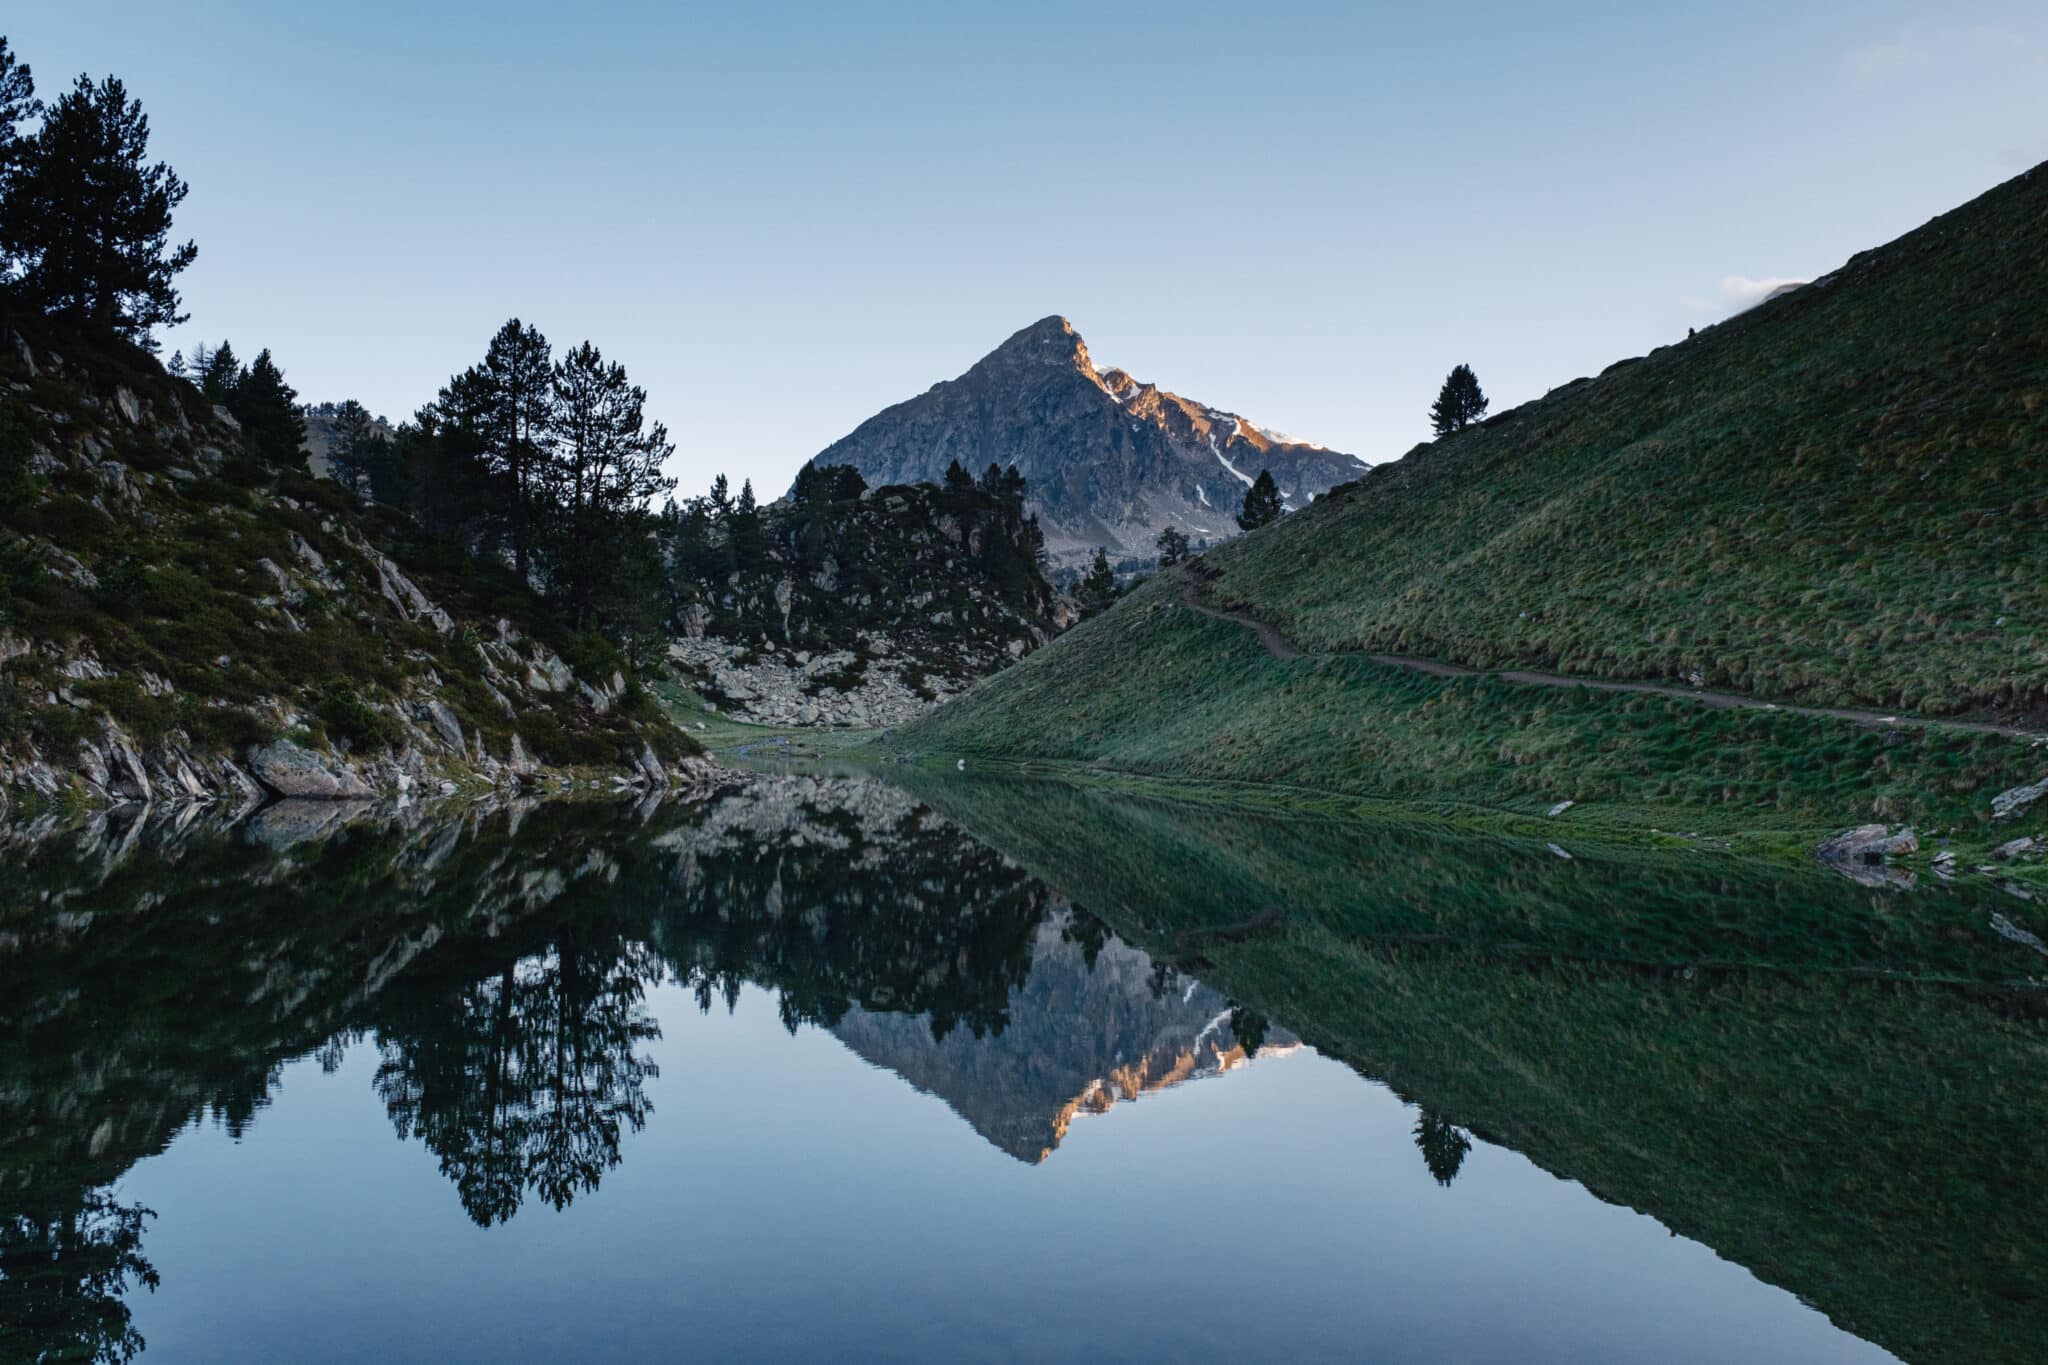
(1107, 460)
(1048, 341)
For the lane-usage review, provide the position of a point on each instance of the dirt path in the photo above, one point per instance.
(1280, 647)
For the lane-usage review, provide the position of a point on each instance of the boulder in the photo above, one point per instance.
(1868, 845)
(2011, 802)
(446, 724)
(288, 770)
(2015, 848)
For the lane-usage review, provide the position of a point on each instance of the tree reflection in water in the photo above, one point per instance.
(522, 1081)
(64, 1271)
(1443, 1146)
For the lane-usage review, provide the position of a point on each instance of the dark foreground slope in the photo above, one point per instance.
(1840, 498)
(181, 620)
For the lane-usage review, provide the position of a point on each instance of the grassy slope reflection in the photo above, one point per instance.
(1836, 1087)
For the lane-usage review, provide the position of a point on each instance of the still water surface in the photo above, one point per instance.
(827, 1070)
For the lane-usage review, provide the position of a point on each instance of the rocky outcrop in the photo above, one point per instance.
(796, 688)
(1108, 460)
(861, 606)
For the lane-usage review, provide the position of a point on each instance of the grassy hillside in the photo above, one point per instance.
(1836, 498)
(168, 598)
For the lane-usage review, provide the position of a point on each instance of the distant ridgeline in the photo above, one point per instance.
(848, 604)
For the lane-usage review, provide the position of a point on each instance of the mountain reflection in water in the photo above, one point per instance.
(1833, 1085)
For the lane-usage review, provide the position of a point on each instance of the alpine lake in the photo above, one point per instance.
(846, 1065)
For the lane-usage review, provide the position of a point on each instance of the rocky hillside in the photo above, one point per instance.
(845, 605)
(1835, 499)
(180, 620)
(1109, 460)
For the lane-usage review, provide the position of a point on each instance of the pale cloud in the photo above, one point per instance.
(1740, 291)
(1735, 294)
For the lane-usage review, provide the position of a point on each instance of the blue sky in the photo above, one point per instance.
(785, 217)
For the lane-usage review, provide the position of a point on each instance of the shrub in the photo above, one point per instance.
(148, 718)
(348, 717)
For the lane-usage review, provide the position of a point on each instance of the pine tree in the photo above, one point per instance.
(749, 543)
(220, 373)
(1261, 503)
(439, 467)
(360, 457)
(268, 409)
(18, 104)
(958, 480)
(1173, 546)
(519, 380)
(847, 484)
(87, 219)
(607, 465)
(1097, 591)
(1459, 403)
(721, 501)
(694, 557)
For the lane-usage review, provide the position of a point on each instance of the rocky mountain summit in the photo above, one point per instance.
(1108, 459)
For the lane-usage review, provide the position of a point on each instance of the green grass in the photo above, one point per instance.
(1153, 688)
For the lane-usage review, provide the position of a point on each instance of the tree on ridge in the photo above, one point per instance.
(1261, 503)
(1096, 592)
(1459, 403)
